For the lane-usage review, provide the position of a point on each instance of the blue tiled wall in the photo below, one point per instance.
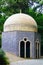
(10, 41)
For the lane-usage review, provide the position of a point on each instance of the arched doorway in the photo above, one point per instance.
(27, 49)
(22, 49)
(37, 50)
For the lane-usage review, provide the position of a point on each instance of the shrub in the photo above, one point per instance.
(3, 58)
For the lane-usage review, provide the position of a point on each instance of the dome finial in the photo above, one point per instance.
(20, 11)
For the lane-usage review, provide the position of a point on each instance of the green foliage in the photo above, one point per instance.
(3, 58)
(39, 19)
(2, 20)
(0, 42)
(13, 6)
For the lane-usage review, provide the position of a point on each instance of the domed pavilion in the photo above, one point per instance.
(20, 36)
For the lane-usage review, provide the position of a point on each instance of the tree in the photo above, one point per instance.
(10, 7)
(13, 6)
(39, 5)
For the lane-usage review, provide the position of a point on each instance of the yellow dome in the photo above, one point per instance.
(21, 22)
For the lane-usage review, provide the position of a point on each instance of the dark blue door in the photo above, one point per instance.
(27, 49)
(22, 49)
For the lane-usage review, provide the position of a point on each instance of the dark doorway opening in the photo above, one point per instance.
(37, 50)
(22, 49)
(27, 49)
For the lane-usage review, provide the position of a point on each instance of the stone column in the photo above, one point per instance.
(19, 49)
(25, 50)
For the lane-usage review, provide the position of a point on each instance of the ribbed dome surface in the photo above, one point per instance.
(21, 22)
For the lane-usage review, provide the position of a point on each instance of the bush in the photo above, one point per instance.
(3, 58)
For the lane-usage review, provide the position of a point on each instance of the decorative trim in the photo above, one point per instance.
(21, 27)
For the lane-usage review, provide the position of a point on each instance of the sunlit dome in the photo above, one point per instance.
(20, 22)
